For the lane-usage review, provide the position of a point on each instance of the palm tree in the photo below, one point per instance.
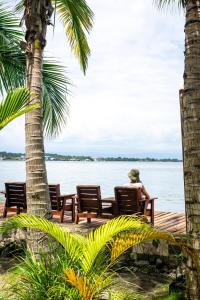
(86, 268)
(190, 133)
(53, 107)
(14, 105)
(77, 19)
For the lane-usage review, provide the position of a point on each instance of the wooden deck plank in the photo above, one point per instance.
(168, 221)
(161, 213)
(171, 226)
(175, 229)
(168, 216)
(172, 220)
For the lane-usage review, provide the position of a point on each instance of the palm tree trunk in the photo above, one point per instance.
(191, 139)
(38, 202)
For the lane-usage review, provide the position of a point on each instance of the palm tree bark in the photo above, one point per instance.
(38, 202)
(191, 139)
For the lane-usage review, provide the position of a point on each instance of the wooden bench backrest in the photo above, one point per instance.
(54, 193)
(127, 199)
(89, 198)
(15, 194)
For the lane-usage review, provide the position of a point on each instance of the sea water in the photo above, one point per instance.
(161, 179)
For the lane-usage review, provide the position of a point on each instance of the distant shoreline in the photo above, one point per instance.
(8, 156)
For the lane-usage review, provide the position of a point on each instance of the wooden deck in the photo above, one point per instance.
(169, 221)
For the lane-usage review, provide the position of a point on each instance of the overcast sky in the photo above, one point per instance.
(127, 104)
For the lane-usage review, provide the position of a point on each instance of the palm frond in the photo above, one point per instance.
(55, 103)
(10, 31)
(80, 282)
(64, 237)
(77, 18)
(127, 240)
(19, 7)
(12, 68)
(14, 105)
(164, 3)
(104, 234)
(88, 286)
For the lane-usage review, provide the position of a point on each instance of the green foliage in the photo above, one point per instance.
(41, 279)
(124, 295)
(77, 19)
(9, 26)
(174, 296)
(85, 268)
(14, 105)
(10, 60)
(13, 68)
(55, 104)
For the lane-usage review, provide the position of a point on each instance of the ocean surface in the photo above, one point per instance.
(161, 179)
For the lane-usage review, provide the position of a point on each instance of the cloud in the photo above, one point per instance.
(127, 104)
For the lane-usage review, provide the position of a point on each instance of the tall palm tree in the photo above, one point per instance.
(76, 17)
(77, 20)
(191, 133)
(53, 104)
(14, 105)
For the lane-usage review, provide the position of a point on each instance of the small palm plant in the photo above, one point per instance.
(85, 270)
(14, 105)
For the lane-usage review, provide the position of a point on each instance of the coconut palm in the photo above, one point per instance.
(190, 96)
(14, 105)
(53, 107)
(76, 17)
(13, 74)
(86, 270)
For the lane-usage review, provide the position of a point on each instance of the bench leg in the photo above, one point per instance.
(77, 219)
(62, 216)
(73, 211)
(5, 212)
(152, 212)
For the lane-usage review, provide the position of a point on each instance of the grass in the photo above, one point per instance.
(126, 291)
(174, 296)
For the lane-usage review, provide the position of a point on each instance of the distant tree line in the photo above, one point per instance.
(138, 159)
(59, 157)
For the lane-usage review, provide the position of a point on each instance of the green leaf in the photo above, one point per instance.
(55, 103)
(10, 31)
(77, 18)
(15, 104)
(64, 237)
(104, 234)
(13, 67)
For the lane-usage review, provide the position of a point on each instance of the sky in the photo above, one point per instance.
(128, 102)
